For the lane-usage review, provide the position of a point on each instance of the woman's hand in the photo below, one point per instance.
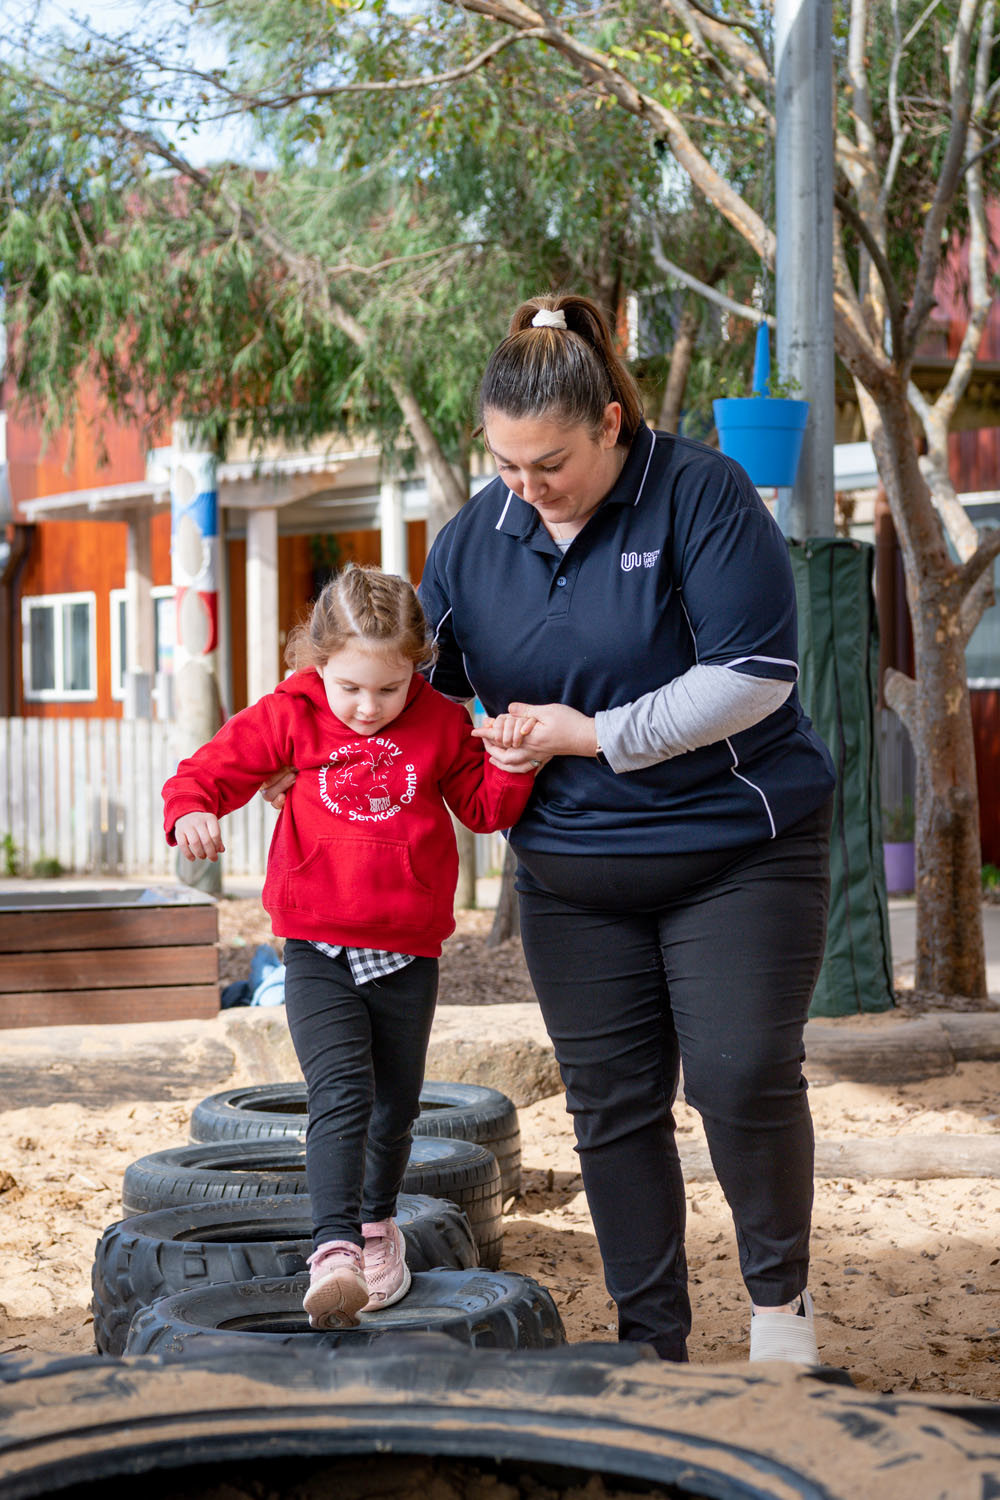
(503, 740)
(276, 790)
(542, 730)
(199, 836)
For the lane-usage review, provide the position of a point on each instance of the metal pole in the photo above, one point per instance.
(803, 62)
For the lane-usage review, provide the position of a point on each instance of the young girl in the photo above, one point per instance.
(361, 878)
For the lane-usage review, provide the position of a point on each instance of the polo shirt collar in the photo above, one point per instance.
(518, 518)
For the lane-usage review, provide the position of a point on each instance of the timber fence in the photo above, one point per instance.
(82, 796)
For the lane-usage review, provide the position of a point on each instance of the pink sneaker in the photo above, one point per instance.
(337, 1290)
(386, 1271)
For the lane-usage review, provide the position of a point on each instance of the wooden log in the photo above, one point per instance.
(899, 1158)
(972, 1036)
(903, 1052)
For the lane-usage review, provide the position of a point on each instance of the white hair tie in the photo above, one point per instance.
(545, 319)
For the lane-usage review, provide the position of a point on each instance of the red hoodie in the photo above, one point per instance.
(364, 851)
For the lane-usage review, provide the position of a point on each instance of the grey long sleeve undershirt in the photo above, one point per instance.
(702, 706)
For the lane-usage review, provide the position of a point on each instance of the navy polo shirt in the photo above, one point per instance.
(681, 563)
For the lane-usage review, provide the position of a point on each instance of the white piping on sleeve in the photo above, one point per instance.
(774, 661)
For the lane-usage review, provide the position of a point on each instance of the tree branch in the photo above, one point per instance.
(983, 151)
(604, 72)
(948, 178)
(397, 85)
(736, 24)
(985, 554)
(847, 211)
(901, 695)
(737, 87)
(738, 309)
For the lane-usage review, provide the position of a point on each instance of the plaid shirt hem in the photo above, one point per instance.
(367, 964)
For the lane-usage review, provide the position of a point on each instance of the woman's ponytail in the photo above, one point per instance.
(559, 359)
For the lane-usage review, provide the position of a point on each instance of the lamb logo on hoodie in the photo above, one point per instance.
(365, 782)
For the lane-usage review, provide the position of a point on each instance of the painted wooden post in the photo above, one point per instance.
(194, 548)
(263, 664)
(393, 528)
(139, 634)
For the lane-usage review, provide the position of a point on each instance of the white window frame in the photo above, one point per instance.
(59, 693)
(115, 600)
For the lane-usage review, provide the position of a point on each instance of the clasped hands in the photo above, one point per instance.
(528, 735)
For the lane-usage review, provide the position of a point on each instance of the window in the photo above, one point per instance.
(59, 649)
(982, 655)
(164, 629)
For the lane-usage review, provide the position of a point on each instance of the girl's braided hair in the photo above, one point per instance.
(379, 611)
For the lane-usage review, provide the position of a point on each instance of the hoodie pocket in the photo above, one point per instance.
(360, 880)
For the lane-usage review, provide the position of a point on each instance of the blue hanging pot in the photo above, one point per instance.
(762, 433)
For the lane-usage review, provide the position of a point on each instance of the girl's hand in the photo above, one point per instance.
(543, 730)
(199, 836)
(275, 791)
(504, 739)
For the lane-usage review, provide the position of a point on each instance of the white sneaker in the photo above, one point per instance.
(785, 1336)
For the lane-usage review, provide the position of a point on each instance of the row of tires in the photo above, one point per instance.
(218, 1231)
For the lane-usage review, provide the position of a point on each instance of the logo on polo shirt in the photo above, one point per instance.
(632, 560)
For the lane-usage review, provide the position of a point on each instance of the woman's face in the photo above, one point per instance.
(563, 472)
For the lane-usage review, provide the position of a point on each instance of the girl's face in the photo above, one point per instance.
(366, 689)
(563, 472)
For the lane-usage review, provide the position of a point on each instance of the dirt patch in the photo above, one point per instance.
(471, 973)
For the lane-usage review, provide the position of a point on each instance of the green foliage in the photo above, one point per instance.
(47, 868)
(424, 218)
(991, 878)
(11, 855)
(898, 822)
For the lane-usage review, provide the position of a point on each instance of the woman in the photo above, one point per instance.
(626, 595)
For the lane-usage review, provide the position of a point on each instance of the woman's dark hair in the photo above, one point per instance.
(567, 373)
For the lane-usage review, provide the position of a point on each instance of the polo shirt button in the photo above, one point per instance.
(560, 583)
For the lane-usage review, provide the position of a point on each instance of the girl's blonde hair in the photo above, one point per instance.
(378, 610)
(570, 373)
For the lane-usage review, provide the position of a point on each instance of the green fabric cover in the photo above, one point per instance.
(838, 657)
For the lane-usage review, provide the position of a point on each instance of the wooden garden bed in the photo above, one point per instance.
(79, 957)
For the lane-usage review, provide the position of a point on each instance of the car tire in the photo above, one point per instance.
(459, 1111)
(402, 1410)
(462, 1172)
(497, 1309)
(171, 1249)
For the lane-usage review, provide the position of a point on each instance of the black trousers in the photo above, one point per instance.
(709, 960)
(362, 1049)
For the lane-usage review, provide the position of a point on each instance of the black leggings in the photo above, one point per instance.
(641, 963)
(362, 1049)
